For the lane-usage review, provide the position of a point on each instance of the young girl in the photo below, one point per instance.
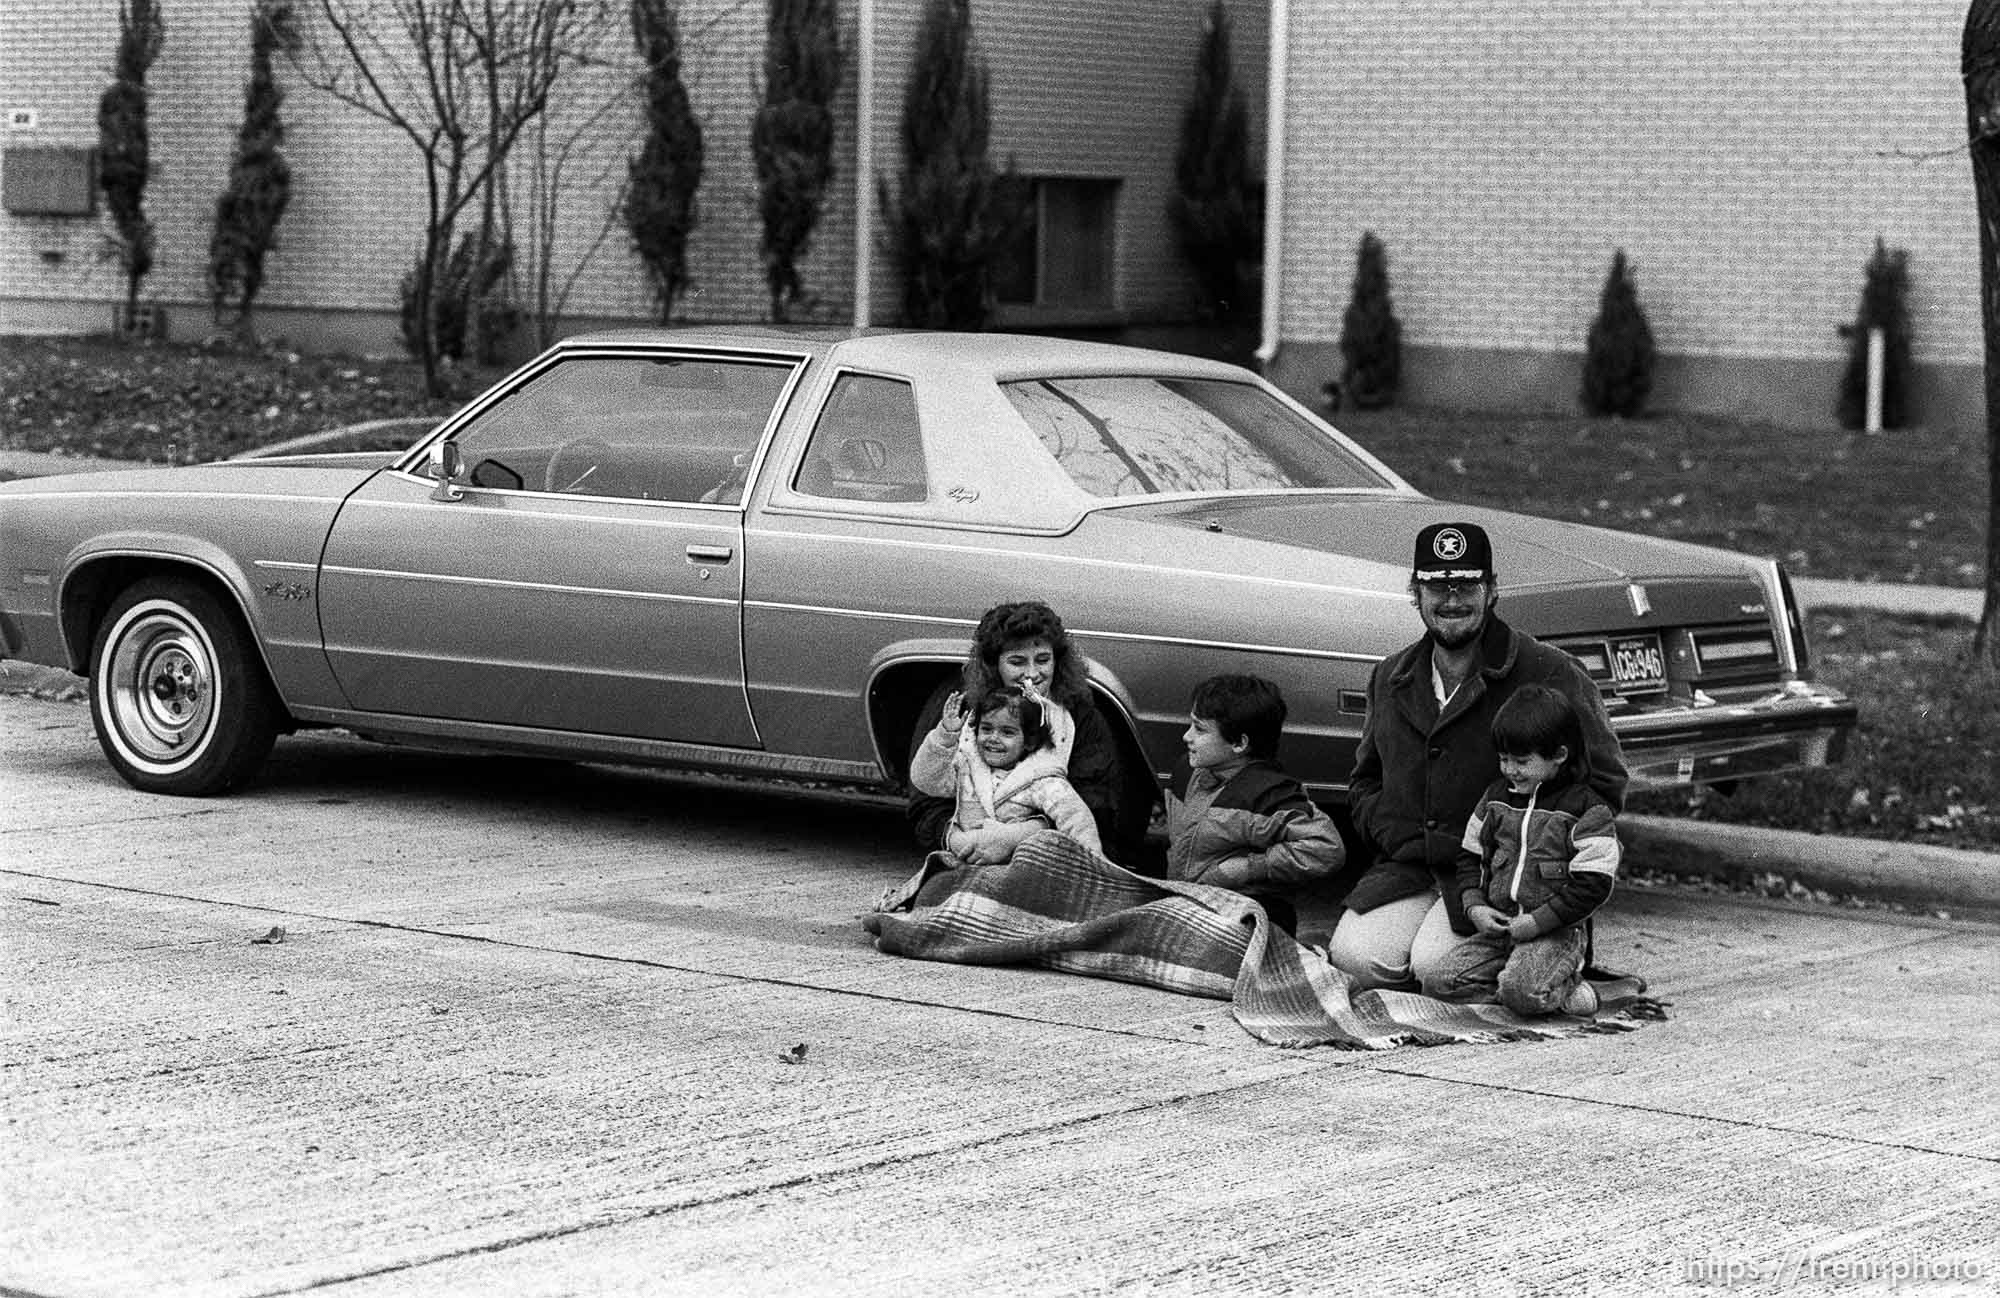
(1006, 767)
(1025, 644)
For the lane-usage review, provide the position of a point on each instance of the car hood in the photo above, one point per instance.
(1553, 575)
(319, 477)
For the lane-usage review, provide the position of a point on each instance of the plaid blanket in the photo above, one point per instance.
(1061, 907)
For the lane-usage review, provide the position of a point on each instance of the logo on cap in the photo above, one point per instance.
(1448, 544)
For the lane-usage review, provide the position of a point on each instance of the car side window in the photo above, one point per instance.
(675, 428)
(867, 444)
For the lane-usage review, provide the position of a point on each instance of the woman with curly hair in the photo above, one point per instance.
(1024, 644)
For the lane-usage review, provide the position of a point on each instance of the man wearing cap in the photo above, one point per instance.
(1427, 751)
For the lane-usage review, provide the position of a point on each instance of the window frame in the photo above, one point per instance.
(415, 462)
(1041, 309)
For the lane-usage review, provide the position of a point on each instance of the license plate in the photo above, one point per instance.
(1637, 665)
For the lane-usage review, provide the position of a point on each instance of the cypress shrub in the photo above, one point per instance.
(260, 180)
(659, 202)
(1215, 206)
(1885, 305)
(124, 142)
(1618, 355)
(791, 137)
(1371, 338)
(951, 219)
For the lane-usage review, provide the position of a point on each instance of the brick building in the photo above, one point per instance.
(1085, 101)
(1745, 156)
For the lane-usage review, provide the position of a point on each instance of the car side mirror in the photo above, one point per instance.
(447, 463)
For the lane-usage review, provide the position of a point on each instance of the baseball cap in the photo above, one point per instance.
(1453, 552)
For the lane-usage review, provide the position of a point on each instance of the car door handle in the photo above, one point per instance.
(710, 554)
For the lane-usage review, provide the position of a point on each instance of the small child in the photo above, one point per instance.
(1238, 821)
(1007, 766)
(1538, 858)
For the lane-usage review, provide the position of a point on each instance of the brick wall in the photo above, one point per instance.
(1077, 91)
(1745, 156)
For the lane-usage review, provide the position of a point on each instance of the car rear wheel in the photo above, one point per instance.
(181, 702)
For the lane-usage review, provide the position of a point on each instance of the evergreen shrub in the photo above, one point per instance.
(1217, 203)
(1371, 338)
(475, 311)
(1618, 355)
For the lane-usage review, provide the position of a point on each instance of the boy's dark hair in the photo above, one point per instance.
(1242, 707)
(1539, 720)
(1025, 708)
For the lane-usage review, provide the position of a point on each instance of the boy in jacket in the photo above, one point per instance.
(1234, 818)
(1538, 858)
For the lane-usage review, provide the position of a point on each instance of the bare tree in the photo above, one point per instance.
(461, 79)
(592, 143)
(124, 143)
(1980, 63)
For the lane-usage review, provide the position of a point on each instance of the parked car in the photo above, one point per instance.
(762, 551)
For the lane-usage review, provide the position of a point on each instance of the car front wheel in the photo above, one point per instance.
(181, 702)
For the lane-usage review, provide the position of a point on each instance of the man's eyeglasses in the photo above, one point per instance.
(1449, 588)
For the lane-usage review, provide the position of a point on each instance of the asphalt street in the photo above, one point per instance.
(534, 1029)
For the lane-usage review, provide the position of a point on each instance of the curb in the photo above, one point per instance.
(1818, 593)
(1913, 874)
(335, 437)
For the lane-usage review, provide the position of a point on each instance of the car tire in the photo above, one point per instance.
(179, 697)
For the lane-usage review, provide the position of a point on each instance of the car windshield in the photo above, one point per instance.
(1137, 436)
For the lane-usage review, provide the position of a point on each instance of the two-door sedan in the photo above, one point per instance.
(763, 550)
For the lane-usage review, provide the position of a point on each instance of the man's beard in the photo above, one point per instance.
(1465, 628)
(1456, 639)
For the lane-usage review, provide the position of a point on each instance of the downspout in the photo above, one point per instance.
(1279, 58)
(864, 165)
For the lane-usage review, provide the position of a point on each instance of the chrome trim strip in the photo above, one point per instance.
(545, 586)
(1781, 615)
(427, 503)
(1398, 596)
(1326, 655)
(189, 494)
(864, 615)
(1133, 637)
(592, 747)
(284, 565)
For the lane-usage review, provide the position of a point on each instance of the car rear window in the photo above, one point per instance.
(1139, 436)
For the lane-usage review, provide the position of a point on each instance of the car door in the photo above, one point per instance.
(587, 577)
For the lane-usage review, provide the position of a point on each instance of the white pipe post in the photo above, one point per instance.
(864, 165)
(1274, 181)
(1876, 353)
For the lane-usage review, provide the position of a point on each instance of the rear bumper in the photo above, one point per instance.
(1801, 725)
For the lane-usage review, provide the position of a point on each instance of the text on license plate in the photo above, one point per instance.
(1637, 665)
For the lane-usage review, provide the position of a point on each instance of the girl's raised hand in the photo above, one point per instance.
(952, 719)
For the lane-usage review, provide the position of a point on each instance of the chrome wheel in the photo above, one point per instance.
(160, 683)
(178, 692)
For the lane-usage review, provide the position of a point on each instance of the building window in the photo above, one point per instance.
(1063, 254)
